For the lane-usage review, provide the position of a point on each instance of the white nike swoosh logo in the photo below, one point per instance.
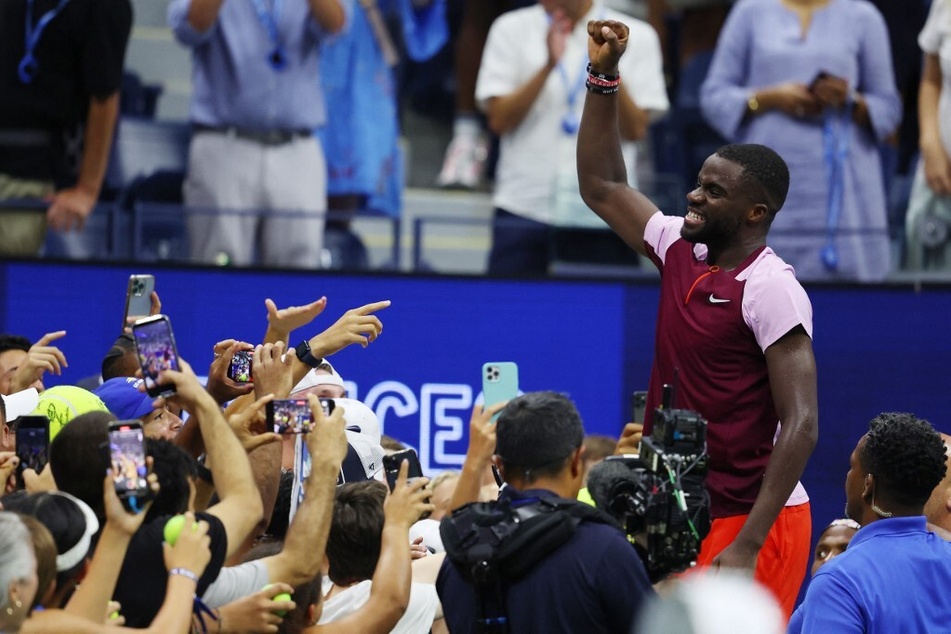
(717, 300)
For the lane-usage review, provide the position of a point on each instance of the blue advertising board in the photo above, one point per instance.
(884, 348)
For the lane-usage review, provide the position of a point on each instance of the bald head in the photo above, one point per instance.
(938, 506)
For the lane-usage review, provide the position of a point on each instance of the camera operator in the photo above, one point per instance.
(593, 582)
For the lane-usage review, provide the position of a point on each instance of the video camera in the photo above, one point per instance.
(659, 496)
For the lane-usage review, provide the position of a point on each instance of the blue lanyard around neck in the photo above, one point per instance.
(570, 123)
(277, 57)
(836, 136)
(29, 65)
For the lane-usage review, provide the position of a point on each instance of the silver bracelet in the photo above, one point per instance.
(183, 572)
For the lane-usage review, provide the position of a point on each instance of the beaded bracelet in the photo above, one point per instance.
(183, 572)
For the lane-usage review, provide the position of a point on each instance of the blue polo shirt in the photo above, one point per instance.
(893, 577)
(594, 582)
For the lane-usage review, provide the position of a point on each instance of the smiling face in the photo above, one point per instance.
(718, 208)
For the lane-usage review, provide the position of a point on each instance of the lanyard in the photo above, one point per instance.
(570, 123)
(200, 609)
(29, 65)
(276, 58)
(836, 135)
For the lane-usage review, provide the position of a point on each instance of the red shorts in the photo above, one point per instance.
(785, 555)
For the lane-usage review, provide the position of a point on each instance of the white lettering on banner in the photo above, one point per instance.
(437, 426)
(436, 399)
(403, 401)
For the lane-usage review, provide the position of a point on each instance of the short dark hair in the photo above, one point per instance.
(765, 168)
(906, 455)
(173, 466)
(353, 546)
(112, 362)
(77, 461)
(536, 433)
(14, 342)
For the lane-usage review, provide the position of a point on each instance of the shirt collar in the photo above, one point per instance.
(890, 526)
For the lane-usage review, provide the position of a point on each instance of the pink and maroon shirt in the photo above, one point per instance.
(713, 327)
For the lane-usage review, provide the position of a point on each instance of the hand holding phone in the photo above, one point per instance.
(240, 370)
(293, 415)
(829, 89)
(155, 348)
(392, 462)
(138, 298)
(414, 478)
(32, 444)
(127, 461)
(499, 383)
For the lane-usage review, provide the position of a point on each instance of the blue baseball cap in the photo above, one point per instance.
(123, 398)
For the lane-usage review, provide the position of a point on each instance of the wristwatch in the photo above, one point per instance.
(306, 356)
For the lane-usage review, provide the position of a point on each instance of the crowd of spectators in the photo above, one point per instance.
(300, 533)
(297, 127)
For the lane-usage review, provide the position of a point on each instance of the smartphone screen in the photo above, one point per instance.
(391, 464)
(240, 368)
(293, 415)
(499, 382)
(33, 442)
(138, 298)
(127, 458)
(155, 347)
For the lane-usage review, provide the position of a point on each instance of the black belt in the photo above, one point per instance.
(26, 137)
(264, 137)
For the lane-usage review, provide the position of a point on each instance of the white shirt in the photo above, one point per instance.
(418, 618)
(538, 151)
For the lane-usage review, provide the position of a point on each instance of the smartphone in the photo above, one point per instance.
(293, 415)
(499, 383)
(638, 407)
(240, 369)
(392, 462)
(819, 76)
(155, 347)
(33, 444)
(138, 298)
(127, 460)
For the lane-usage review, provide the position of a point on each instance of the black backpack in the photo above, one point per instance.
(492, 544)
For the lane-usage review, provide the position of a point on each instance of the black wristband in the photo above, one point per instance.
(306, 356)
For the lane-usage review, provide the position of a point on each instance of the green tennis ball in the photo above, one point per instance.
(114, 615)
(278, 597)
(173, 528)
(63, 403)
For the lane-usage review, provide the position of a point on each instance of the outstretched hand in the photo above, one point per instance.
(607, 41)
(42, 358)
(357, 325)
(283, 321)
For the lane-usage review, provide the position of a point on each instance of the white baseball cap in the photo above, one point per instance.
(20, 403)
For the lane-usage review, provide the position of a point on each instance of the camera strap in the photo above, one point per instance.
(492, 544)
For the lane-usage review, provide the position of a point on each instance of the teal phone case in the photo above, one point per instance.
(499, 382)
